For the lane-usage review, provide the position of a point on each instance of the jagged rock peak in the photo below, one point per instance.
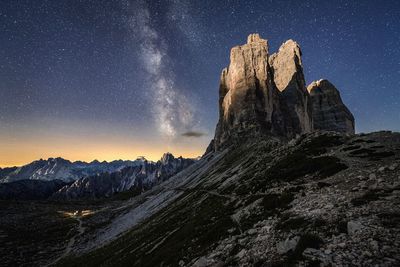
(321, 85)
(289, 79)
(287, 63)
(167, 157)
(255, 38)
(329, 112)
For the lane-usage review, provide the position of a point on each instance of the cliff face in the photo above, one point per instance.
(329, 112)
(266, 95)
(244, 90)
(249, 101)
(289, 79)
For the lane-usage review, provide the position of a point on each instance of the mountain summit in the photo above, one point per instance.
(266, 95)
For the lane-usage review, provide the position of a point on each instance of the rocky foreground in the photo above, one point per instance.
(323, 199)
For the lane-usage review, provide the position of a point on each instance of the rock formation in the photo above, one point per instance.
(329, 112)
(266, 95)
(289, 79)
(249, 101)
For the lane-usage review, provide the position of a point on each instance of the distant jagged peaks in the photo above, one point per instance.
(262, 94)
(138, 177)
(166, 158)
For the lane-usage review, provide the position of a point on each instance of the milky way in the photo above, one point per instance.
(172, 110)
(74, 71)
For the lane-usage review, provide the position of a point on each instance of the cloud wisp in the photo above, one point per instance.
(173, 113)
(193, 134)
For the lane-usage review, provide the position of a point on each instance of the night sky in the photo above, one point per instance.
(119, 79)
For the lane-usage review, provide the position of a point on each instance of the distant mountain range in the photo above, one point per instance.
(62, 179)
(62, 169)
(137, 178)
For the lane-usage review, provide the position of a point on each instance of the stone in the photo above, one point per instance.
(328, 111)
(372, 176)
(252, 231)
(288, 245)
(353, 227)
(201, 262)
(241, 254)
(315, 254)
(393, 166)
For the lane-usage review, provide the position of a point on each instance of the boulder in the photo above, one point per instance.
(289, 244)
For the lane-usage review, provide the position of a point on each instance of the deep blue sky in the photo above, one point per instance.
(88, 72)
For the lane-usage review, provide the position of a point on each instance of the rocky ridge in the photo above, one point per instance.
(61, 169)
(325, 199)
(137, 179)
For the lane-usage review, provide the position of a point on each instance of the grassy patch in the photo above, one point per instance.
(272, 202)
(352, 147)
(366, 198)
(361, 151)
(34, 232)
(290, 221)
(390, 219)
(125, 195)
(287, 224)
(182, 231)
(307, 241)
(323, 184)
(297, 165)
(371, 154)
(270, 205)
(319, 144)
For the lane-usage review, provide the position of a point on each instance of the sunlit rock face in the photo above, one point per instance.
(252, 104)
(288, 77)
(249, 102)
(265, 95)
(329, 112)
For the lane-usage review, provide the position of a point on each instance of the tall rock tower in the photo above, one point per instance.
(248, 100)
(263, 95)
(287, 68)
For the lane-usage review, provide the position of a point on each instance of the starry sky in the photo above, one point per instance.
(97, 79)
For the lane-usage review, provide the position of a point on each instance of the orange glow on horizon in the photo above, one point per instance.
(85, 143)
(15, 157)
(153, 157)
